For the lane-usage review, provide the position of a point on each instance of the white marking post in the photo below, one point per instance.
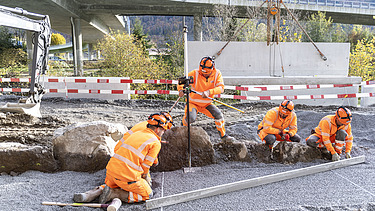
(244, 184)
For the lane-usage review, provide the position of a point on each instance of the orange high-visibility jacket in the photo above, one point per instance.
(327, 129)
(272, 123)
(138, 127)
(214, 83)
(135, 156)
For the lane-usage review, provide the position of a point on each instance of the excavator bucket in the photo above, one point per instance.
(23, 108)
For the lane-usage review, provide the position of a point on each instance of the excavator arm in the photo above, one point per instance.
(40, 26)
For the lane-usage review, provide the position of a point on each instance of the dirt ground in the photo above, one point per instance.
(59, 112)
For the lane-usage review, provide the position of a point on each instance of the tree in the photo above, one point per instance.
(362, 60)
(140, 36)
(318, 28)
(358, 34)
(57, 39)
(123, 57)
(5, 39)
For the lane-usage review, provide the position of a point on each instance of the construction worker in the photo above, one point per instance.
(207, 82)
(97, 191)
(279, 124)
(132, 161)
(332, 133)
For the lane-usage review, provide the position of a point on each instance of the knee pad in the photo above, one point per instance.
(295, 138)
(341, 135)
(215, 112)
(311, 141)
(270, 139)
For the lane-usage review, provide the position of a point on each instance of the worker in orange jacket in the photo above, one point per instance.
(207, 82)
(90, 195)
(333, 132)
(279, 124)
(132, 160)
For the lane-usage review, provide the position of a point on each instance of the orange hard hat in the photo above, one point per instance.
(206, 65)
(159, 120)
(169, 119)
(286, 107)
(343, 115)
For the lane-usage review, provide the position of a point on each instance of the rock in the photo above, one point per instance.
(236, 151)
(16, 157)
(174, 155)
(291, 152)
(259, 151)
(85, 146)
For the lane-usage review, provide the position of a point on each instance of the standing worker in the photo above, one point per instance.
(279, 124)
(332, 133)
(91, 195)
(207, 82)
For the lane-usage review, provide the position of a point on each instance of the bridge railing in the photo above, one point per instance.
(335, 3)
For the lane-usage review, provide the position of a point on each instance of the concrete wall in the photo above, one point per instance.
(243, 63)
(258, 59)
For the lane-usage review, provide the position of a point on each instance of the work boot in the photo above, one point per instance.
(111, 193)
(227, 139)
(88, 196)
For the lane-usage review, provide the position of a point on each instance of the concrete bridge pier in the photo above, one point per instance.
(198, 36)
(77, 46)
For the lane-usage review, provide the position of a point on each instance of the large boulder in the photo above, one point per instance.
(174, 155)
(19, 158)
(86, 146)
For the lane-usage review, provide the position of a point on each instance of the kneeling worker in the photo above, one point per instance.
(274, 125)
(91, 195)
(334, 130)
(132, 160)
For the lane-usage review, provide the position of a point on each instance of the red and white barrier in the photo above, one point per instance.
(171, 92)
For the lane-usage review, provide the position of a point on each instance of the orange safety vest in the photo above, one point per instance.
(214, 83)
(138, 127)
(272, 123)
(326, 130)
(135, 156)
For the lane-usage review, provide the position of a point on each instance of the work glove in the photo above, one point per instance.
(335, 157)
(181, 93)
(206, 94)
(284, 136)
(348, 155)
(147, 177)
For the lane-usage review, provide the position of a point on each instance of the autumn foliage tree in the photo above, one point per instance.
(362, 60)
(124, 57)
(57, 39)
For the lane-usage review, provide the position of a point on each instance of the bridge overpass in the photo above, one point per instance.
(89, 20)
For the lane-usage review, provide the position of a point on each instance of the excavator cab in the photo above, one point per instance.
(40, 26)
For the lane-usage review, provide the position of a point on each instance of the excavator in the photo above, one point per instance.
(40, 27)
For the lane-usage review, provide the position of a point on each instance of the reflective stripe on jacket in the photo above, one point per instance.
(138, 127)
(135, 156)
(272, 123)
(327, 128)
(214, 83)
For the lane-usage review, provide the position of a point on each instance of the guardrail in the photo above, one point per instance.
(333, 3)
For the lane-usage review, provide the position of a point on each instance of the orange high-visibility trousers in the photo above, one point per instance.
(195, 109)
(138, 191)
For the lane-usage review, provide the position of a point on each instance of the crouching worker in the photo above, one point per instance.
(332, 133)
(91, 195)
(132, 161)
(279, 124)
